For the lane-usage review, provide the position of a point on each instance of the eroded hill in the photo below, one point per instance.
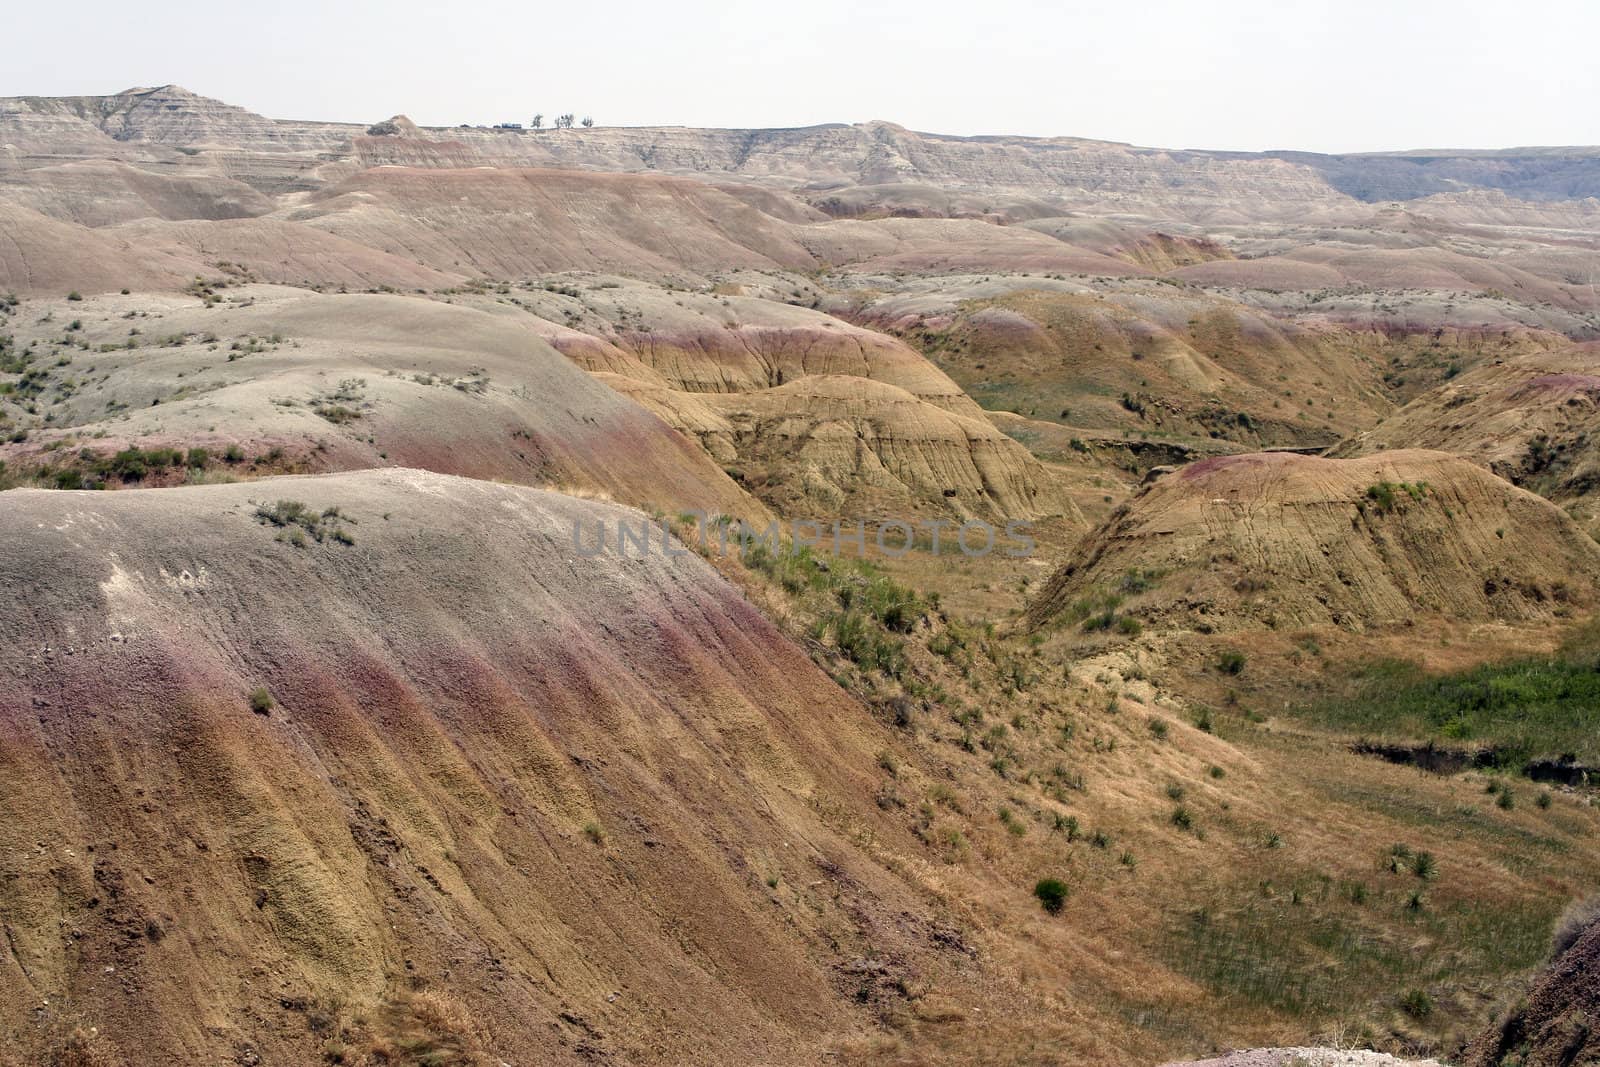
(1274, 540)
(1530, 419)
(302, 748)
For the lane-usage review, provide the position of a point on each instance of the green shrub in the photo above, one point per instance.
(1417, 1004)
(1052, 894)
(1135, 581)
(1383, 494)
(1424, 866)
(297, 520)
(261, 701)
(1231, 662)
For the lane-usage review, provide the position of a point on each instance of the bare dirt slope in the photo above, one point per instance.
(104, 193)
(554, 786)
(39, 254)
(1275, 539)
(511, 223)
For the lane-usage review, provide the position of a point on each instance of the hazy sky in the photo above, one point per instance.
(1324, 75)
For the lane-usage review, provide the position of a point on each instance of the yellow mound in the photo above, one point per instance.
(1272, 539)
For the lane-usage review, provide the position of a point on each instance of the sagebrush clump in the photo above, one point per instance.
(297, 522)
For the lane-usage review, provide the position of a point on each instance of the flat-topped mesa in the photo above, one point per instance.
(1214, 187)
(1276, 539)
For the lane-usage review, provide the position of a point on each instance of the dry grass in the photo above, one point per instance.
(1270, 918)
(420, 1029)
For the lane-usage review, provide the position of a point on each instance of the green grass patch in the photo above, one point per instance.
(1310, 952)
(861, 611)
(1521, 709)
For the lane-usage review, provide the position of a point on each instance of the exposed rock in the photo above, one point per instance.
(1306, 1057)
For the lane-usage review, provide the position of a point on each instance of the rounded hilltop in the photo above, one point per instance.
(1280, 539)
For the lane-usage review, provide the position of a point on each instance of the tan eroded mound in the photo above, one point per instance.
(831, 445)
(1278, 539)
(1148, 358)
(42, 255)
(813, 413)
(1532, 419)
(1421, 266)
(950, 245)
(724, 341)
(1156, 250)
(548, 787)
(912, 200)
